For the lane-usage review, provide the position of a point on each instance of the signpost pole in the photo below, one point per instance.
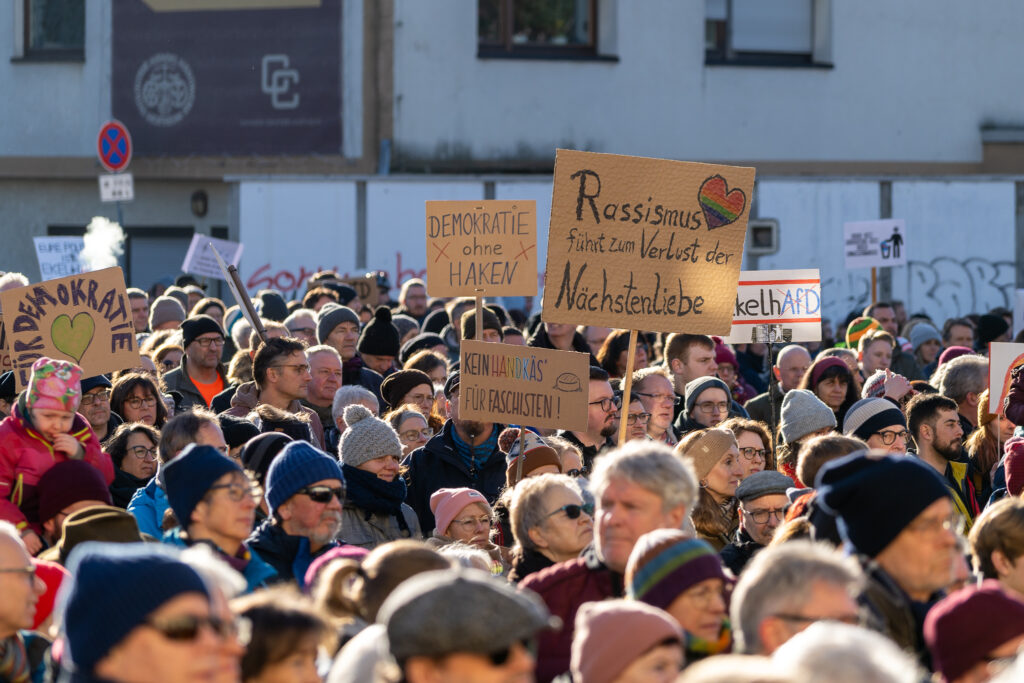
(627, 387)
(120, 216)
(772, 384)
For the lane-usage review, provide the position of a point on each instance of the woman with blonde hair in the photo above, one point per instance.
(715, 457)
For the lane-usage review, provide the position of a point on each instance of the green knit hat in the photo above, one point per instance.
(858, 328)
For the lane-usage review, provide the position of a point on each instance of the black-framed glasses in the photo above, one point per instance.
(607, 404)
(209, 341)
(889, 437)
(633, 418)
(187, 626)
(169, 364)
(661, 397)
(708, 407)
(577, 472)
(298, 367)
(762, 516)
(101, 396)
(501, 657)
(143, 453)
(323, 494)
(237, 492)
(135, 402)
(573, 510)
(750, 453)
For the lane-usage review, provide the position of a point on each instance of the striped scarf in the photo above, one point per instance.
(14, 660)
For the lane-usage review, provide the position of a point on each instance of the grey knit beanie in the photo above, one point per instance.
(804, 413)
(165, 309)
(366, 438)
(330, 316)
(695, 386)
(870, 415)
(922, 332)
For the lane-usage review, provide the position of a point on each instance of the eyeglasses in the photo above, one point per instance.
(577, 473)
(101, 396)
(238, 492)
(889, 437)
(762, 516)
(414, 434)
(751, 453)
(931, 527)
(303, 330)
(500, 657)
(143, 453)
(135, 402)
(323, 494)
(573, 510)
(186, 627)
(169, 364)
(607, 404)
(664, 398)
(633, 418)
(29, 571)
(851, 619)
(474, 522)
(298, 367)
(708, 407)
(209, 341)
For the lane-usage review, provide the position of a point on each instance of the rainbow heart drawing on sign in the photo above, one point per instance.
(721, 206)
(72, 337)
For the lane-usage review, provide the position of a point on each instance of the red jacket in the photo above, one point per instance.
(564, 587)
(25, 455)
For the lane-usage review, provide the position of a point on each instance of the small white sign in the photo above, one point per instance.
(871, 244)
(785, 303)
(1018, 312)
(200, 259)
(117, 187)
(58, 256)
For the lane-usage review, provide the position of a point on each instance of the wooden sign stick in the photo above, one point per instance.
(627, 387)
(479, 314)
(522, 453)
(874, 285)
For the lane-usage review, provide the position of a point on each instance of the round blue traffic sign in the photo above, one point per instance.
(114, 146)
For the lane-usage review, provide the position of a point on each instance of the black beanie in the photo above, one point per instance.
(330, 316)
(380, 336)
(875, 497)
(436, 321)
(468, 323)
(197, 325)
(425, 340)
(260, 451)
(237, 431)
(345, 292)
(272, 305)
(398, 384)
(989, 328)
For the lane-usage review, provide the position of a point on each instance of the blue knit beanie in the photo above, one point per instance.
(189, 476)
(115, 588)
(299, 465)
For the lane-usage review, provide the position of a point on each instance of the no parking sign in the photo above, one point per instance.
(114, 146)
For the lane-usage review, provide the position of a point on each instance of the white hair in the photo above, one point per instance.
(840, 653)
(651, 465)
(12, 281)
(731, 668)
(349, 394)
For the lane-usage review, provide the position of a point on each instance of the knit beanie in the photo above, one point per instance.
(330, 316)
(858, 328)
(538, 454)
(820, 366)
(53, 577)
(424, 340)
(803, 413)
(695, 387)
(921, 333)
(367, 437)
(963, 628)
(435, 322)
(178, 294)
(192, 327)
(990, 327)
(272, 305)
(165, 309)
(874, 386)
(952, 353)
(666, 562)
(404, 324)
(724, 356)
(69, 482)
(54, 385)
(90, 383)
(708, 449)
(188, 477)
(875, 497)
(446, 504)
(1013, 465)
(468, 323)
(237, 430)
(260, 451)
(869, 415)
(380, 336)
(116, 587)
(345, 292)
(396, 385)
(612, 634)
(298, 465)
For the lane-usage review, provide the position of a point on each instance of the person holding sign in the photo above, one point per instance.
(44, 429)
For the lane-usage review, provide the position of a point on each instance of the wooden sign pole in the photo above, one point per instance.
(522, 453)
(627, 387)
(874, 285)
(479, 314)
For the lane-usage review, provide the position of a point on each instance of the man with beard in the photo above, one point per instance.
(601, 409)
(201, 376)
(305, 491)
(464, 454)
(935, 426)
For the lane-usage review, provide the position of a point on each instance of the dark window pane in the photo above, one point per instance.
(551, 22)
(489, 21)
(56, 24)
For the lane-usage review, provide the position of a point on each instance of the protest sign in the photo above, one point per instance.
(85, 319)
(199, 260)
(366, 289)
(5, 350)
(784, 303)
(645, 244)
(58, 256)
(872, 244)
(1002, 359)
(523, 385)
(482, 247)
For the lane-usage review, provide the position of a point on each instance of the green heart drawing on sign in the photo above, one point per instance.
(72, 337)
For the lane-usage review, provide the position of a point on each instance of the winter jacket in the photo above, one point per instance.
(1013, 404)
(247, 397)
(541, 340)
(960, 483)
(736, 555)
(588, 453)
(124, 487)
(892, 612)
(148, 506)
(759, 408)
(178, 380)
(288, 555)
(354, 372)
(368, 530)
(257, 573)
(526, 563)
(564, 587)
(904, 363)
(436, 465)
(25, 456)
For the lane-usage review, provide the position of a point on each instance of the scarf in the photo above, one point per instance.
(697, 648)
(350, 370)
(474, 457)
(14, 665)
(373, 495)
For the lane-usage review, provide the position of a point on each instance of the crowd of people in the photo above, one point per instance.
(304, 502)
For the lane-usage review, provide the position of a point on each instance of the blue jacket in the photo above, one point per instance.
(436, 465)
(257, 573)
(148, 505)
(288, 555)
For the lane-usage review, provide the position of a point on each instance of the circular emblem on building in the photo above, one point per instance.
(165, 89)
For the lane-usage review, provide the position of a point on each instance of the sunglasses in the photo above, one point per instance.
(323, 494)
(501, 657)
(187, 627)
(573, 511)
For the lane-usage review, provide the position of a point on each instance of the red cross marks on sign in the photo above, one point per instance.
(440, 251)
(524, 250)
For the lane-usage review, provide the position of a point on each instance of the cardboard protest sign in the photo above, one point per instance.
(488, 245)
(523, 385)
(58, 256)
(645, 244)
(872, 244)
(366, 289)
(199, 260)
(85, 319)
(788, 302)
(6, 363)
(1002, 359)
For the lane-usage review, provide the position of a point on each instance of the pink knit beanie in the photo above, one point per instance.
(54, 385)
(612, 634)
(446, 504)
